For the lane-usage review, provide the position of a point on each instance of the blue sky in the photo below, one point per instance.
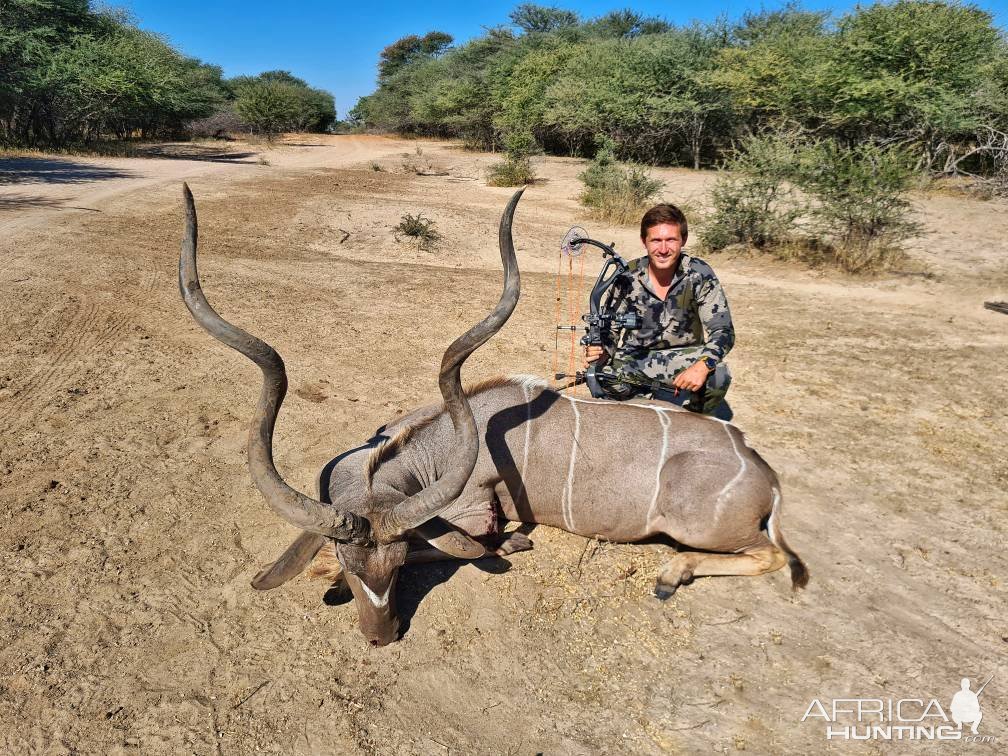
(334, 45)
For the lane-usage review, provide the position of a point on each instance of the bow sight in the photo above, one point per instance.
(600, 319)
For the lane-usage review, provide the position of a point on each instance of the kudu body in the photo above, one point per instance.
(511, 449)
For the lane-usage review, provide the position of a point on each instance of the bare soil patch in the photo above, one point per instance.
(131, 529)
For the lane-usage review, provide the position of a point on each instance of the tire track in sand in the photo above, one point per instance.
(78, 337)
(83, 328)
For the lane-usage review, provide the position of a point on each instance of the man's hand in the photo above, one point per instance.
(592, 353)
(693, 377)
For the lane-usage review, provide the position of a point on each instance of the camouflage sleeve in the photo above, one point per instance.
(712, 307)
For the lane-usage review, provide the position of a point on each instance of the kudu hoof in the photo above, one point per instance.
(663, 593)
(512, 543)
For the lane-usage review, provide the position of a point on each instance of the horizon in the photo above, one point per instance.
(255, 42)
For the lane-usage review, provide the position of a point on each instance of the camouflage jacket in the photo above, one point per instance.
(695, 304)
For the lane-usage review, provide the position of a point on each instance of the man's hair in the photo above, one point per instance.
(664, 213)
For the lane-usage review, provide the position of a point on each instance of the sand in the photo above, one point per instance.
(131, 529)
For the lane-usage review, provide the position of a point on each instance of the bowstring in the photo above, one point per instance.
(556, 330)
(571, 305)
(574, 296)
(579, 299)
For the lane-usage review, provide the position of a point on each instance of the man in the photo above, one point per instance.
(677, 299)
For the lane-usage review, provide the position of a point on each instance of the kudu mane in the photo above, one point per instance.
(389, 447)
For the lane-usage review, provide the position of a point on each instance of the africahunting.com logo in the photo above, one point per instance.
(904, 718)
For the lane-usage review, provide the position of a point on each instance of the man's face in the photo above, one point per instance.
(663, 243)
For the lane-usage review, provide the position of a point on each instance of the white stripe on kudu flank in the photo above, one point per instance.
(742, 468)
(665, 423)
(568, 490)
(528, 429)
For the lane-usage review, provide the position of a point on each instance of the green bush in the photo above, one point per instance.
(754, 203)
(931, 75)
(617, 192)
(74, 73)
(822, 198)
(516, 169)
(276, 101)
(511, 172)
(860, 201)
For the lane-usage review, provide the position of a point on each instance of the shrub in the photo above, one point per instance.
(516, 169)
(617, 192)
(853, 201)
(754, 203)
(860, 201)
(276, 101)
(420, 228)
(511, 172)
(217, 125)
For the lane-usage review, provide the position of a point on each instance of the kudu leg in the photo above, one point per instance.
(756, 560)
(508, 543)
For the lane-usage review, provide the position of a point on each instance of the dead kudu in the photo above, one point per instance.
(509, 449)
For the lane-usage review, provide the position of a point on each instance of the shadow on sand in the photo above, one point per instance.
(196, 152)
(67, 170)
(55, 170)
(16, 202)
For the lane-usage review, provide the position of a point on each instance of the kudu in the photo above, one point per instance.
(508, 449)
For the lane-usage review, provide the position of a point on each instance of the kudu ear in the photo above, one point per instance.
(291, 563)
(442, 537)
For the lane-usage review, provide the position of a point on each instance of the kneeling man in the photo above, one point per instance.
(686, 327)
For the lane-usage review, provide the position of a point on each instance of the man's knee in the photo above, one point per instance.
(720, 378)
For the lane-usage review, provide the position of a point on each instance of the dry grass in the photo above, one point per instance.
(420, 164)
(126, 148)
(958, 186)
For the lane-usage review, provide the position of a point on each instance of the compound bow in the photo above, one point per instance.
(601, 318)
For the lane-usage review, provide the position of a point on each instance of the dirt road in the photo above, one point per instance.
(131, 529)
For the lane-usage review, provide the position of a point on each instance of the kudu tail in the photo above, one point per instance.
(799, 572)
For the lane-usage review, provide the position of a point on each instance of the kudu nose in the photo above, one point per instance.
(383, 636)
(384, 640)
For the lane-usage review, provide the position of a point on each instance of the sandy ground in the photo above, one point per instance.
(130, 528)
